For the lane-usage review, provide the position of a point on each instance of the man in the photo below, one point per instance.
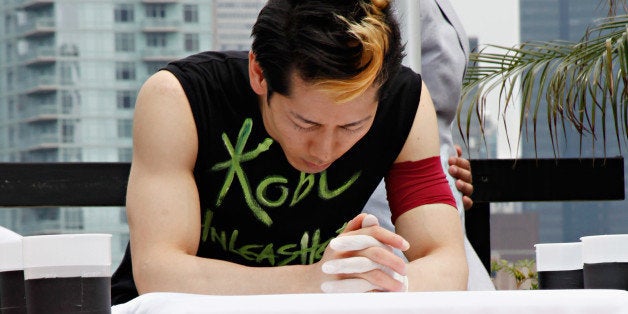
(244, 161)
(444, 57)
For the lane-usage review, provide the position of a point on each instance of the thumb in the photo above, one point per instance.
(356, 223)
(369, 221)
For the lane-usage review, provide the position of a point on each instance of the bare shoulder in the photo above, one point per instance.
(423, 140)
(161, 84)
(163, 124)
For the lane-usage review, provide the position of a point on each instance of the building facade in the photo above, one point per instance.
(233, 21)
(69, 74)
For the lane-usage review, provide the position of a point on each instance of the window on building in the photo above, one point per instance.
(124, 13)
(42, 155)
(123, 219)
(73, 218)
(45, 213)
(125, 42)
(70, 101)
(71, 154)
(9, 22)
(155, 10)
(9, 78)
(125, 71)
(125, 128)
(124, 239)
(67, 131)
(125, 99)
(191, 42)
(11, 108)
(190, 13)
(156, 40)
(125, 154)
(70, 72)
(153, 67)
(9, 51)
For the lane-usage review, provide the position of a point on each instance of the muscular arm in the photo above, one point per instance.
(436, 254)
(163, 206)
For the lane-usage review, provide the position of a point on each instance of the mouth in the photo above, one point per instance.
(315, 167)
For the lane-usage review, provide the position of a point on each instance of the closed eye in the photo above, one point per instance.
(352, 129)
(305, 129)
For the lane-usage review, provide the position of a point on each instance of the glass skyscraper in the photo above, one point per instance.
(69, 74)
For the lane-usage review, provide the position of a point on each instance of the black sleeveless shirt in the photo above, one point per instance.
(256, 209)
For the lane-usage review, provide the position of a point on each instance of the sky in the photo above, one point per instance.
(497, 25)
(493, 22)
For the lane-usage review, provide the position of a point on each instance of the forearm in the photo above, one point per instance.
(436, 254)
(442, 270)
(177, 272)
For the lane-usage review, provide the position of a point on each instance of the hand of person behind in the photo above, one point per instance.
(460, 169)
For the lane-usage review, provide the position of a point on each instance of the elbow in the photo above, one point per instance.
(455, 276)
(145, 276)
(164, 270)
(156, 273)
(459, 271)
(453, 273)
(463, 276)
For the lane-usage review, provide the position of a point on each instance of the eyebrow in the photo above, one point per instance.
(348, 125)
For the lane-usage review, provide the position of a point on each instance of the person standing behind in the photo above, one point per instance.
(444, 57)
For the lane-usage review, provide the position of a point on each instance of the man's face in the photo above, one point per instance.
(312, 129)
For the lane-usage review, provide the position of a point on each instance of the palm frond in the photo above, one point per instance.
(581, 82)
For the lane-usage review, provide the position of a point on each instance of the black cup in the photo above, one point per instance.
(69, 295)
(12, 299)
(559, 265)
(69, 273)
(605, 260)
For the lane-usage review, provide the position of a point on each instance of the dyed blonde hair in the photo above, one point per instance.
(372, 34)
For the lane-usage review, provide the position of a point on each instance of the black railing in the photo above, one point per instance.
(495, 180)
(527, 180)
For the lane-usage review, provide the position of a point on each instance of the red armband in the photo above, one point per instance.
(414, 183)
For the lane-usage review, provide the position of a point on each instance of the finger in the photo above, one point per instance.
(459, 162)
(385, 281)
(404, 281)
(465, 188)
(360, 264)
(386, 258)
(382, 235)
(355, 223)
(356, 242)
(458, 150)
(460, 173)
(467, 202)
(355, 265)
(359, 285)
(350, 265)
(352, 285)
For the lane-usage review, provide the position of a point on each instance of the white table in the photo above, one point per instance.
(481, 302)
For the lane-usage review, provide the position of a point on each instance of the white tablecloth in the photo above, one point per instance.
(484, 302)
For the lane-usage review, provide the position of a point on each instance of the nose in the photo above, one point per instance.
(321, 147)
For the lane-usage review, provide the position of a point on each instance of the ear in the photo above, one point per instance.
(256, 76)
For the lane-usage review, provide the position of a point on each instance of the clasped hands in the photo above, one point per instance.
(363, 260)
